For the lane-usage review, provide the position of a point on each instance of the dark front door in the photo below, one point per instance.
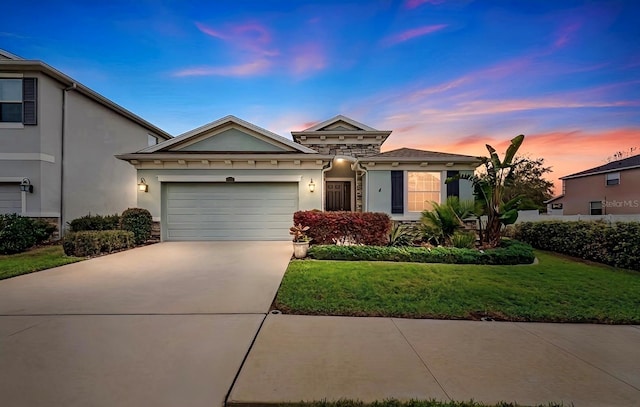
(338, 196)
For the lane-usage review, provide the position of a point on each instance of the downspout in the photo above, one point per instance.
(326, 168)
(73, 86)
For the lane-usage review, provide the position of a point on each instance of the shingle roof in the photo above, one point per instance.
(626, 163)
(412, 153)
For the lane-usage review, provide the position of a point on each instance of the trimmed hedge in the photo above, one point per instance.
(511, 252)
(93, 242)
(615, 244)
(18, 233)
(138, 221)
(368, 228)
(95, 222)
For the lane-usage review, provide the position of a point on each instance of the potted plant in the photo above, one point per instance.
(300, 240)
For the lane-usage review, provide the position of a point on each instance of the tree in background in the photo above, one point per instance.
(528, 183)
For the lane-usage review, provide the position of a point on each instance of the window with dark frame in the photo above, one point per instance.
(595, 208)
(613, 178)
(18, 100)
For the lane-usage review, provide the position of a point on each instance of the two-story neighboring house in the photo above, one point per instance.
(610, 189)
(58, 140)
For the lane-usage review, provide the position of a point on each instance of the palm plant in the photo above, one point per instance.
(489, 190)
(444, 220)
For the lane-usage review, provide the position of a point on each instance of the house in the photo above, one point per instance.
(58, 141)
(233, 180)
(610, 189)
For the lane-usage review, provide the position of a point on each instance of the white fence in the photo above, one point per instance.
(534, 216)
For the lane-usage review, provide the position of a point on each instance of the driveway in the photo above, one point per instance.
(163, 325)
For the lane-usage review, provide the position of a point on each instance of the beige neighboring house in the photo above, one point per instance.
(59, 139)
(233, 180)
(610, 189)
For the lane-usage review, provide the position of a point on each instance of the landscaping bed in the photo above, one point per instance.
(557, 289)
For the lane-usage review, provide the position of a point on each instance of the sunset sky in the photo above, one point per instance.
(444, 75)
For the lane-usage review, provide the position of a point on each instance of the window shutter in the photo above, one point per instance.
(397, 191)
(29, 99)
(453, 187)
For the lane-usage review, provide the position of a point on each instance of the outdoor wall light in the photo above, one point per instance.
(142, 186)
(312, 186)
(25, 186)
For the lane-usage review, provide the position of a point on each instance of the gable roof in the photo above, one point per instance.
(230, 119)
(8, 55)
(412, 154)
(624, 164)
(339, 118)
(15, 63)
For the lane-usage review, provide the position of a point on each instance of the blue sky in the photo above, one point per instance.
(444, 75)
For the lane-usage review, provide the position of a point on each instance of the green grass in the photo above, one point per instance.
(557, 289)
(37, 259)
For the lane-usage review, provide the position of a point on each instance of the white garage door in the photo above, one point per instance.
(221, 211)
(10, 198)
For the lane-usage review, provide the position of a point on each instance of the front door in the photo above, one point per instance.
(338, 196)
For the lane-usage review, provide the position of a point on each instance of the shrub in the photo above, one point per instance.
(369, 228)
(510, 252)
(402, 235)
(617, 244)
(93, 242)
(463, 239)
(95, 222)
(138, 221)
(18, 233)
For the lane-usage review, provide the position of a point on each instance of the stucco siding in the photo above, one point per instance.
(378, 191)
(94, 180)
(232, 140)
(619, 199)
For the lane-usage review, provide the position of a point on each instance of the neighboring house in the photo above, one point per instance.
(59, 139)
(610, 189)
(232, 180)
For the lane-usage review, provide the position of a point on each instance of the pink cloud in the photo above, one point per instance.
(257, 67)
(252, 37)
(411, 4)
(413, 33)
(308, 58)
(565, 35)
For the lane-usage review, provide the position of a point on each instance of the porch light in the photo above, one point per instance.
(25, 186)
(142, 186)
(312, 186)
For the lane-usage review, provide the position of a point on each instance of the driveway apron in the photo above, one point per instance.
(163, 325)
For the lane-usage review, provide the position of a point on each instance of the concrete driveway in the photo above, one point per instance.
(163, 325)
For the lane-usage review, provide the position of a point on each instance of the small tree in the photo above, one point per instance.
(444, 220)
(489, 190)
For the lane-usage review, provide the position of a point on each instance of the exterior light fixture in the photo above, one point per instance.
(312, 186)
(25, 186)
(142, 186)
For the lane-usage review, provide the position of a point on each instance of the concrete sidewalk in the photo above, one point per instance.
(313, 358)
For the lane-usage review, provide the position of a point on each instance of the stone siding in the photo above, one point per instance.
(350, 150)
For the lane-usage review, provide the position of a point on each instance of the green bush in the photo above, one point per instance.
(95, 222)
(510, 252)
(463, 240)
(93, 242)
(615, 244)
(138, 221)
(18, 233)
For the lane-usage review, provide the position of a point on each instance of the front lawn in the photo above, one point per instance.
(37, 259)
(557, 289)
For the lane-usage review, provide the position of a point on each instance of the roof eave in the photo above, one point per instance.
(68, 81)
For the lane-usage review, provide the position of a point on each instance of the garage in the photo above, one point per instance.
(10, 198)
(229, 211)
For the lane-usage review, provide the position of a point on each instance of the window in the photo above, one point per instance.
(613, 178)
(595, 208)
(18, 100)
(422, 189)
(151, 140)
(11, 100)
